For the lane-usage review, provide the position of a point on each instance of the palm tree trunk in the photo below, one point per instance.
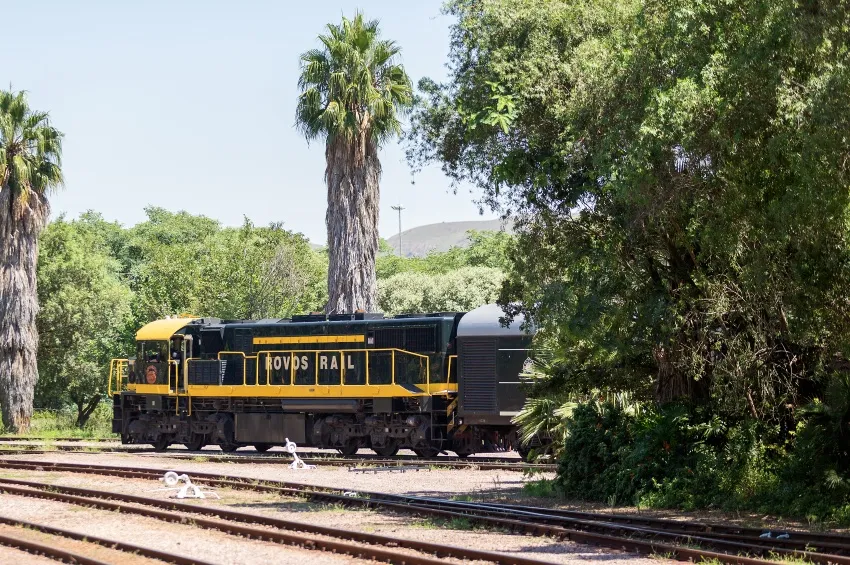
(352, 175)
(20, 225)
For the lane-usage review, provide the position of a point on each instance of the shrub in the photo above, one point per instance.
(677, 457)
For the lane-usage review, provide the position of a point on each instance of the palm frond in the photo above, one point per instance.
(30, 148)
(352, 84)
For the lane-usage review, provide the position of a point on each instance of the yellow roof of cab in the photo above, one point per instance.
(161, 329)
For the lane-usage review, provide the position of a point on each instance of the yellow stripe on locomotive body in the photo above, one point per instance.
(359, 357)
(310, 339)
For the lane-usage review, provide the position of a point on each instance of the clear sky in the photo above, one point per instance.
(190, 105)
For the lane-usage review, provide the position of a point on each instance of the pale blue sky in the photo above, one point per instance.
(190, 105)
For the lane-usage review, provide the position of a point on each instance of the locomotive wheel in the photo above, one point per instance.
(196, 443)
(262, 447)
(229, 447)
(462, 454)
(349, 448)
(161, 443)
(387, 450)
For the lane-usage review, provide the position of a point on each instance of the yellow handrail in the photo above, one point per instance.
(116, 367)
(315, 352)
(449, 373)
(242, 353)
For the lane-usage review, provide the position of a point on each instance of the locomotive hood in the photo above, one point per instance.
(484, 322)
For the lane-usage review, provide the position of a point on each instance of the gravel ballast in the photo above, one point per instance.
(434, 482)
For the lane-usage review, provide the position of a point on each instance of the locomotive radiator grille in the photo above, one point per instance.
(478, 376)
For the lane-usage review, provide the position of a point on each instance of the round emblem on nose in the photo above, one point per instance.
(151, 375)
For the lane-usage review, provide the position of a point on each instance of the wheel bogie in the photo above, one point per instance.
(417, 426)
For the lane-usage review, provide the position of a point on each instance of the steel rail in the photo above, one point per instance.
(107, 543)
(275, 459)
(48, 551)
(102, 500)
(712, 528)
(447, 462)
(602, 534)
(542, 515)
(91, 439)
(493, 463)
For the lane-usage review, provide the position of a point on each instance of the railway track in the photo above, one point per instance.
(51, 551)
(249, 458)
(66, 439)
(483, 464)
(355, 544)
(682, 540)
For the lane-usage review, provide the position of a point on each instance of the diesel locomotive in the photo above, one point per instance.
(446, 381)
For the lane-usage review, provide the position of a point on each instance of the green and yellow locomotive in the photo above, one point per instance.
(427, 382)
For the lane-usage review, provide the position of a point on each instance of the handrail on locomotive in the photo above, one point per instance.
(118, 371)
(118, 368)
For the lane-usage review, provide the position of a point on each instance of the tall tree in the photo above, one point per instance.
(30, 166)
(83, 319)
(352, 95)
(680, 176)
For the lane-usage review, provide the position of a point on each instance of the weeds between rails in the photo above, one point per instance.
(599, 529)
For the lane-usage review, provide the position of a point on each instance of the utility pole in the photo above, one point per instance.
(399, 208)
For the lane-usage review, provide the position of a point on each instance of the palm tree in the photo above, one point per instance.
(30, 154)
(353, 93)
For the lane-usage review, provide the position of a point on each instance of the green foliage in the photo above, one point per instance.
(30, 149)
(457, 291)
(84, 309)
(353, 85)
(165, 255)
(680, 457)
(543, 488)
(64, 423)
(679, 178)
(485, 249)
(459, 279)
(99, 283)
(178, 263)
(255, 273)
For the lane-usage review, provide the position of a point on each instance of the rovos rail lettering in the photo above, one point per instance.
(302, 362)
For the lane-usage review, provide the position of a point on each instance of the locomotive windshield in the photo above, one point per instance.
(151, 361)
(152, 351)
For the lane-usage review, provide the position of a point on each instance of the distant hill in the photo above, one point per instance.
(419, 241)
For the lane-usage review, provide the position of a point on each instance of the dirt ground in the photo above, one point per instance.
(218, 547)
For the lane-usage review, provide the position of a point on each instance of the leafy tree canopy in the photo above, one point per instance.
(460, 290)
(85, 307)
(485, 249)
(679, 174)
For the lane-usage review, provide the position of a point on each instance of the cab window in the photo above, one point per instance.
(153, 351)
